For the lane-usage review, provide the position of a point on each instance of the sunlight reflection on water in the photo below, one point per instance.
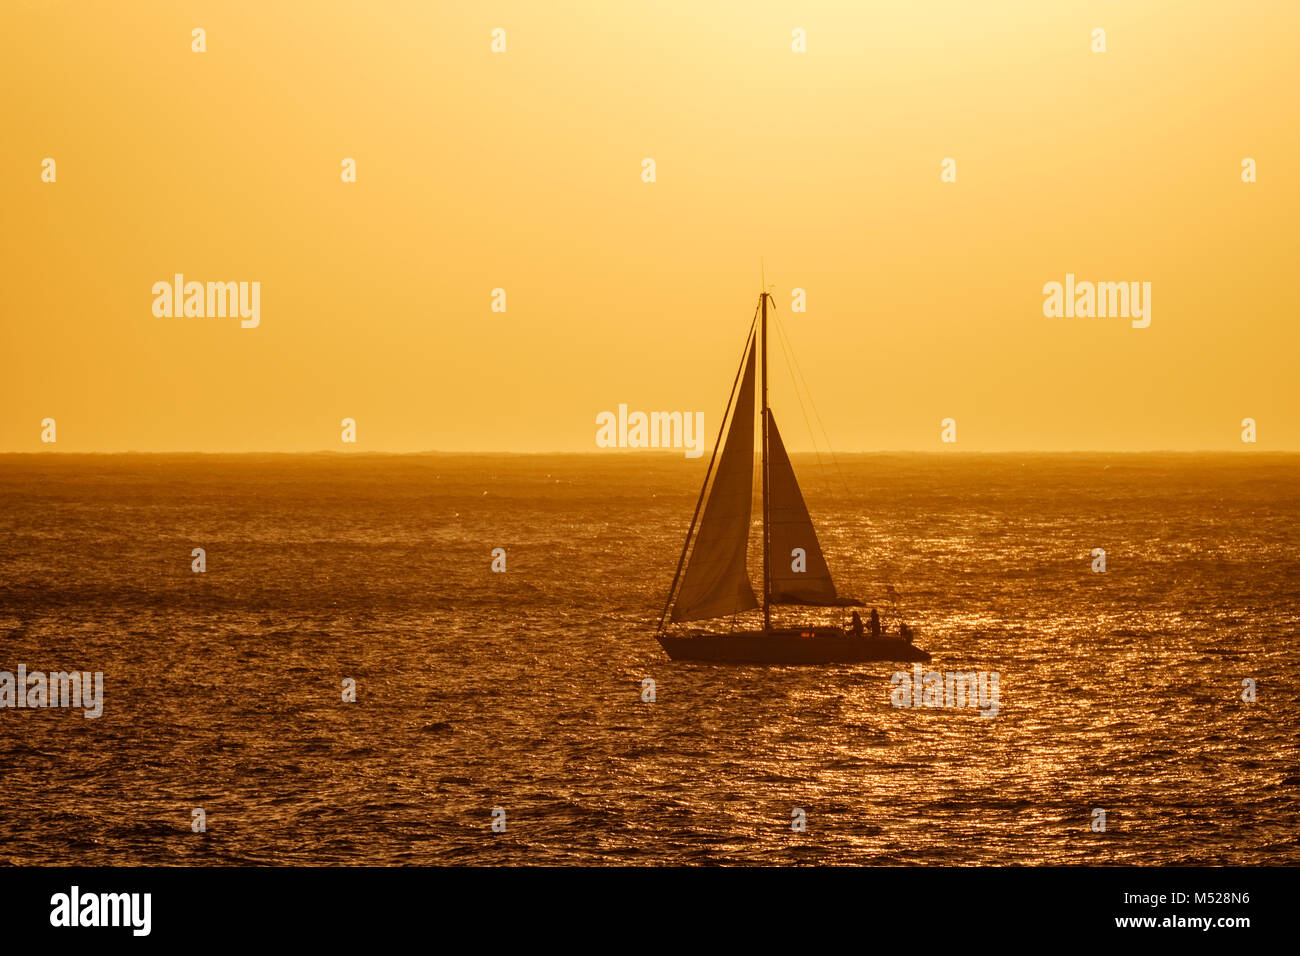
(522, 690)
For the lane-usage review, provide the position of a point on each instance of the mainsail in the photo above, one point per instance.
(716, 582)
(791, 537)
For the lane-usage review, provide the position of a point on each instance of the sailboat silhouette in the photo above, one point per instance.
(712, 578)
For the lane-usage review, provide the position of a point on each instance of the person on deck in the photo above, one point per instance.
(855, 625)
(875, 623)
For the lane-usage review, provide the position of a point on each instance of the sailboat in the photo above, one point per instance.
(712, 579)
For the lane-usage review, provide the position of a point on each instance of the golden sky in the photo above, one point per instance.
(522, 170)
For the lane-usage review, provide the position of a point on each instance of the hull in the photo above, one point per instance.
(789, 647)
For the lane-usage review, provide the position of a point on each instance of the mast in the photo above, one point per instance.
(767, 581)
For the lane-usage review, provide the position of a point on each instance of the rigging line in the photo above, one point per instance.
(889, 571)
(830, 448)
(785, 349)
(717, 448)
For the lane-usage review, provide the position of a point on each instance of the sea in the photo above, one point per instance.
(349, 681)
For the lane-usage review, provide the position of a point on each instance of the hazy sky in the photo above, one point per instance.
(522, 170)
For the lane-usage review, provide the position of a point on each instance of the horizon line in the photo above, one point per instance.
(677, 453)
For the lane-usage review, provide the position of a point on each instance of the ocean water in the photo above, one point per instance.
(522, 690)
